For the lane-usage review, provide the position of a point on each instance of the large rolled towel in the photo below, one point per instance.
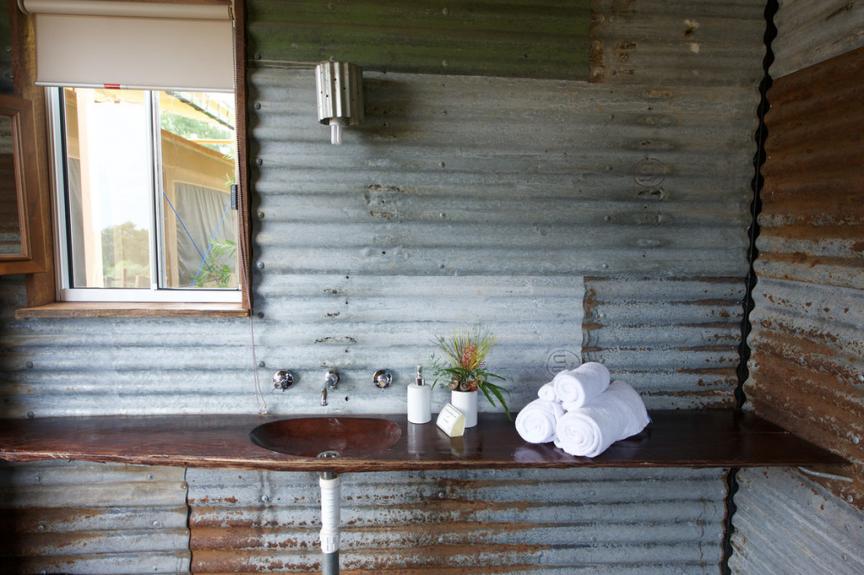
(537, 421)
(579, 386)
(631, 401)
(547, 392)
(615, 415)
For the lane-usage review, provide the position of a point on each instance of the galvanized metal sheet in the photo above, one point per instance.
(359, 324)
(808, 358)
(675, 341)
(677, 42)
(787, 524)
(810, 32)
(523, 38)
(561, 521)
(90, 518)
(562, 178)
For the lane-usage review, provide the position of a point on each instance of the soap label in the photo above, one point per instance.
(451, 421)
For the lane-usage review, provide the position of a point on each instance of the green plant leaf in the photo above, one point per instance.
(496, 390)
(485, 390)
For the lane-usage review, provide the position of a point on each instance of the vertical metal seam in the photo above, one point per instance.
(188, 517)
(756, 202)
(771, 7)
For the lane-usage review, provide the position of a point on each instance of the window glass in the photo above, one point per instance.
(148, 183)
(198, 158)
(109, 183)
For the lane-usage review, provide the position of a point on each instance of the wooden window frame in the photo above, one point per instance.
(42, 287)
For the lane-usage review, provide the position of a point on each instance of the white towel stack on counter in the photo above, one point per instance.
(582, 412)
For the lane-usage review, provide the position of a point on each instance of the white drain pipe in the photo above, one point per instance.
(331, 491)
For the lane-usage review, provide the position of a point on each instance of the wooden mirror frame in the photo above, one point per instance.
(31, 258)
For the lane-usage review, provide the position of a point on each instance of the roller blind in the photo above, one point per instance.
(145, 45)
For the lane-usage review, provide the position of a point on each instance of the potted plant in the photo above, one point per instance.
(463, 367)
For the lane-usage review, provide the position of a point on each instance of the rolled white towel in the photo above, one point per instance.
(537, 421)
(579, 386)
(547, 392)
(615, 415)
(631, 401)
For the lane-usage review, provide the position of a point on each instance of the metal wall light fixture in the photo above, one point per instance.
(340, 96)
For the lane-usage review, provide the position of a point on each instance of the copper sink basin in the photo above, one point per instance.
(312, 436)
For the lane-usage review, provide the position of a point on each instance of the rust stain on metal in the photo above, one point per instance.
(808, 361)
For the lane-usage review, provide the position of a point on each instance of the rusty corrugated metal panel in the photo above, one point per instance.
(675, 341)
(787, 524)
(810, 32)
(677, 42)
(808, 356)
(62, 517)
(549, 522)
(520, 38)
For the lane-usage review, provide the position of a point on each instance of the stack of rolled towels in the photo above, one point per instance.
(583, 412)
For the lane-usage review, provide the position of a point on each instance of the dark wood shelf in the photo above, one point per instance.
(712, 438)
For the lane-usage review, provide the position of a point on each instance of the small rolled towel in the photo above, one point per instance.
(615, 415)
(547, 392)
(579, 386)
(537, 421)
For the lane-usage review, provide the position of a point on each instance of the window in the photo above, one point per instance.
(145, 195)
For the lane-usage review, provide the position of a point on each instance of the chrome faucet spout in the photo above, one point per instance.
(331, 380)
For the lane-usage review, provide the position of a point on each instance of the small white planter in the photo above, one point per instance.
(466, 402)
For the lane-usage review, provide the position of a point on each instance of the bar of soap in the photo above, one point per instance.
(451, 421)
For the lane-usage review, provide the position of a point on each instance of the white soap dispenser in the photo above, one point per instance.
(419, 400)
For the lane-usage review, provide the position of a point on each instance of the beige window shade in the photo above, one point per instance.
(145, 45)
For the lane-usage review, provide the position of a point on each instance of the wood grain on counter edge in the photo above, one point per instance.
(718, 438)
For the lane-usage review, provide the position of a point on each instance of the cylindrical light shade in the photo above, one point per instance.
(156, 45)
(340, 96)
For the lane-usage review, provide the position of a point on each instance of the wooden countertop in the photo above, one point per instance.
(687, 438)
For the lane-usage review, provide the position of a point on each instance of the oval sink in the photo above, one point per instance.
(310, 436)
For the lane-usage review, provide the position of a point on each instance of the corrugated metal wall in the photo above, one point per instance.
(812, 32)
(788, 525)
(465, 198)
(428, 36)
(579, 521)
(808, 356)
(807, 365)
(674, 340)
(66, 517)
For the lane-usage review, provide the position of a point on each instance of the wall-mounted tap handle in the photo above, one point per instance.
(382, 378)
(283, 379)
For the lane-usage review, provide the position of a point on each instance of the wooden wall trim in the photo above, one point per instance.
(42, 287)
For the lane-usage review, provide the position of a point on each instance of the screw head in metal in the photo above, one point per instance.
(259, 265)
(262, 364)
